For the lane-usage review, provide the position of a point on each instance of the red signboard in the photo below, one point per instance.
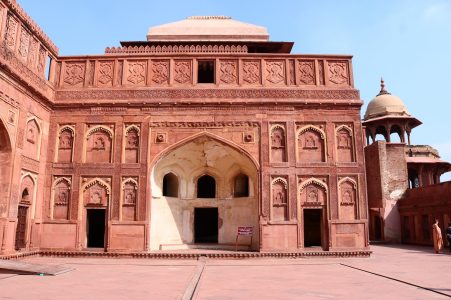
(245, 230)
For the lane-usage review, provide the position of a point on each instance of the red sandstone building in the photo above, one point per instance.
(176, 141)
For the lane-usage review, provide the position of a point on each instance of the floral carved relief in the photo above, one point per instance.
(75, 73)
(105, 75)
(306, 72)
(11, 32)
(160, 72)
(32, 52)
(251, 72)
(276, 72)
(182, 72)
(338, 72)
(228, 72)
(136, 72)
(24, 43)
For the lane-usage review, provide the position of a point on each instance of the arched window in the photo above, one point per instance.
(414, 181)
(170, 185)
(241, 186)
(206, 187)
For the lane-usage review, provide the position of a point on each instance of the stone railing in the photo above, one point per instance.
(179, 49)
(138, 71)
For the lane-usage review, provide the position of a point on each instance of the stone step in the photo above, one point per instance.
(24, 268)
(228, 247)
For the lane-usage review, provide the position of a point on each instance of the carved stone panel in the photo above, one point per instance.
(136, 73)
(33, 53)
(105, 73)
(160, 72)
(99, 147)
(306, 72)
(344, 143)
(275, 72)
(347, 198)
(24, 43)
(183, 72)
(11, 32)
(278, 149)
(96, 194)
(279, 194)
(32, 134)
(129, 196)
(228, 72)
(311, 146)
(313, 192)
(74, 74)
(41, 60)
(338, 73)
(132, 145)
(251, 72)
(65, 145)
(61, 198)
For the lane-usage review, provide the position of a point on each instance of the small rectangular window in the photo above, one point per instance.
(206, 71)
(48, 66)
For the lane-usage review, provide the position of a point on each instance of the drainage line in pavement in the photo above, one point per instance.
(192, 286)
(398, 280)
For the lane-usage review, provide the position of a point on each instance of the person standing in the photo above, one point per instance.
(448, 235)
(437, 236)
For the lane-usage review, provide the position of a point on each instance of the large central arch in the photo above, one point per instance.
(175, 217)
(5, 168)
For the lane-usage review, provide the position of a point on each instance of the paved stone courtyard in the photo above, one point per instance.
(392, 272)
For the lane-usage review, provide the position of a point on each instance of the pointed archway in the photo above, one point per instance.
(210, 163)
(5, 168)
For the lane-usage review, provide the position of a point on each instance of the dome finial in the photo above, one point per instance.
(383, 90)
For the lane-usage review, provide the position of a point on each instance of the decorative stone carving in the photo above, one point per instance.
(11, 32)
(251, 72)
(65, 139)
(136, 73)
(65, 145)
(129, 198)
(345, 151)
(75, 74)
(99, 148)
(90, 73)
(307, 72)
(105, 75)
(313, 192)
(347, 193)
(336, 95)
(32, 53)
(217, 124)
(32, 132)
(11, 117)
(24, 43)
(338, 72)
(311, 144)
(120, 66)
(160, 72)
(248, 137)
(160, 137)
(279, 192)
(183, 72)
(228, 72)
(132, 144)
(278, 153)
(41, 60)
(275, 71)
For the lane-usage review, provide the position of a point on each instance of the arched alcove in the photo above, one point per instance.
(170, 185)
(5, 167)
(206, 187)
(206, 167)
(396, 134)
(241, 186)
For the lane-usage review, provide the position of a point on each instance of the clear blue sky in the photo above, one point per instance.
(408, 42)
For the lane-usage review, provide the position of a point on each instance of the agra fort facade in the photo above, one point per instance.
(176, 141)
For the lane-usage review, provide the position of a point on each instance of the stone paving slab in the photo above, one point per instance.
(22, 267)
(399, 272)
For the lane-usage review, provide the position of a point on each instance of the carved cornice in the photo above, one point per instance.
(31, 25)
(191, 48)
(205, 124)
(160, 94)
